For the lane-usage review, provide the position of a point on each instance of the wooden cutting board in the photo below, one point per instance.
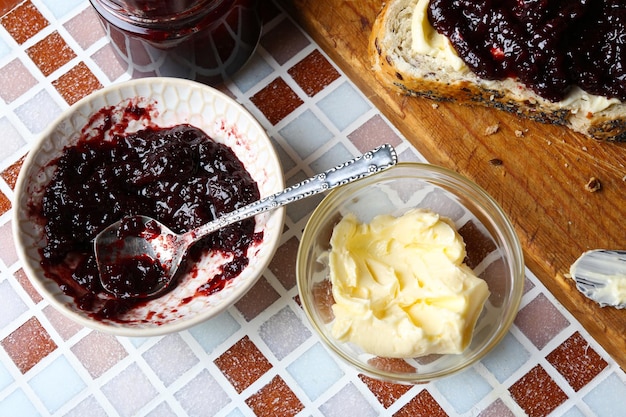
(540, 182)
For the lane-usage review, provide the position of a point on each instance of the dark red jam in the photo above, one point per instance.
(204, 40)
(549, 45)
(131, 275)
(176, 175)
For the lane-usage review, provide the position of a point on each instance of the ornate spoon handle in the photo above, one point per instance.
(362, 166)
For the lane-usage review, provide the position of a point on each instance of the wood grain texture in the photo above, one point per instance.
(540, 183)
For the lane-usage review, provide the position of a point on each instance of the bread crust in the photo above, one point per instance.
(423, 76)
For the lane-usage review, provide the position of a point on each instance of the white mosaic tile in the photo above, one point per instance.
(129, 391)
(60, 9)
(202, 396)
(176, 375)
(283, 332)
(305, 368)
(608, 398)
(12, 141)
(17, 403)
(343, 106)
(348, 401)
(11, 305)
(215, 331)
(57, 383)
(170, 358)
(38, 112)
(473, 386)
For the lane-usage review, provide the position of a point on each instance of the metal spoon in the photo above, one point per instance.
(601, 276)
(138, 256)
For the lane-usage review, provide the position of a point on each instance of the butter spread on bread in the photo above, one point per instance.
(409, 54)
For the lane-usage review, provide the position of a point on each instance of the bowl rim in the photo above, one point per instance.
(484, 200)
(121, 329)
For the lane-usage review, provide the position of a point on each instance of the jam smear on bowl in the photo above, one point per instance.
(549, 45)
(177, 175)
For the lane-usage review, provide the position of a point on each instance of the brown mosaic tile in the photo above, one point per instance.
(373, 133)
(422, 405)
(11, 173)
(497, 409)
(65, 327)
(21, 277)
(537, 393)
(6, 5)
(51, 53)
(141, 56)
(276, 100)
(15, 80)
(77, 83)
(98, 352)
(28, 345)
(323, 298)
(255, 301)
(577, 361)
(284, 41)
(23, 22)
(283, 265)
(119, 39)
(243, 364)
(540, 310)
(297, 299)
(477, 244)
(391, 364)
(313, 73)
(528, 285)
(275, 399)
(494, 277)
(5, 203)
(385, 392)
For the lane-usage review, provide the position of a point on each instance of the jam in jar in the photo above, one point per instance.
(203, 40)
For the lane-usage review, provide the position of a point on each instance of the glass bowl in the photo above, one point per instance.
(165, 102)
(493, 252)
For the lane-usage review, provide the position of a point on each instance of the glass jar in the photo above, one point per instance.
(202, 40)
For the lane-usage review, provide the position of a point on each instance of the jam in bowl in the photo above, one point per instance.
(153, 145)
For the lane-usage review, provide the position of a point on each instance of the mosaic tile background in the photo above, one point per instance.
(259, 358)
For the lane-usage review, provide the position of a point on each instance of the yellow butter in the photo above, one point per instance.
(400, 286)
(427, 41)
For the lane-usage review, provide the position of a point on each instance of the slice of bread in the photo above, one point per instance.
(396, 64)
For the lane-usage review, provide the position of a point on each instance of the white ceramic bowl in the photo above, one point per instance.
(170, 102)
(493, 252)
